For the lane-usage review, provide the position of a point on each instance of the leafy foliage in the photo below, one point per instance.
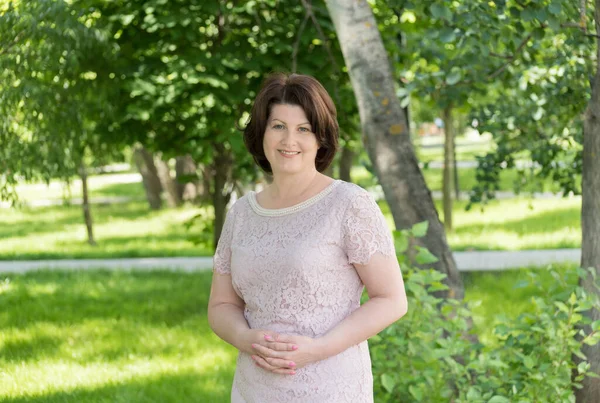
(429, 355)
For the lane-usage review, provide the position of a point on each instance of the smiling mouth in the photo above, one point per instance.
(285, 152)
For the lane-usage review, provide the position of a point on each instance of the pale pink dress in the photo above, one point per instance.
(293, 269)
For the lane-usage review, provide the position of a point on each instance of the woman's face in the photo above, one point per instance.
(289, 143)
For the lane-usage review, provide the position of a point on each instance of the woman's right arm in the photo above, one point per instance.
(226, 319)
(226, 313)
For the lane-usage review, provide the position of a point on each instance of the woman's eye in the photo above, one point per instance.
(304, 129)
(278, 127)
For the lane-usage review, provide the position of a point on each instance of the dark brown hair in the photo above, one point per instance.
(305, 92)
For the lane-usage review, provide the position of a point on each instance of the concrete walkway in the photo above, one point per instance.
(466, 261)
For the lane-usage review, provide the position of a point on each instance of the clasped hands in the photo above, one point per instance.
(282, 354)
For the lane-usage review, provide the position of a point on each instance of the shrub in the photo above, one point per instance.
(432, 355)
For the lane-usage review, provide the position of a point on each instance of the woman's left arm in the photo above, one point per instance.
(386, 304)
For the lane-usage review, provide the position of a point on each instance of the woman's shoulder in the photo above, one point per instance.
(348, 191)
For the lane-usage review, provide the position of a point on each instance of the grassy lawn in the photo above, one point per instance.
(102, 336)
(121, 230)
(514, 224)
(133, 230)
(507, 293)
(466, 180)
(108, 185)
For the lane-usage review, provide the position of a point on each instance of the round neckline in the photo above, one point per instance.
(291, 209)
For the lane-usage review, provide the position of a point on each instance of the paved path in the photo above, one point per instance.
(466, 261)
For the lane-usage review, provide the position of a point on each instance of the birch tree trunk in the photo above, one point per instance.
(590, 217)
(385, 131)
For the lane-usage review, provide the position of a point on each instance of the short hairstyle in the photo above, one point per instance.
(305, 92)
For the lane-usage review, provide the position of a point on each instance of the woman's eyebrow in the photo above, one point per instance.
(305, 123)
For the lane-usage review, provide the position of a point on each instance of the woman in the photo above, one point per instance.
(293, 260)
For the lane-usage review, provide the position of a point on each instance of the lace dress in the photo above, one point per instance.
(293, 269)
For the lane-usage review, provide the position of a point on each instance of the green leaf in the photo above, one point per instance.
(400, 242)
(387, 382)
(416, 393)
(498, 399)
(561, 306)
(447, 34)
(539, 33)
(425, 257)
(440, 11)
(420, 229)
(473, 394)
(527, 15)
(454, 77)
(555, 8)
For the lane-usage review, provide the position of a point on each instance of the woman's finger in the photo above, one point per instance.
(261, 362)
(281, 338)
(279, 363)
(267, 352)
(273, 345)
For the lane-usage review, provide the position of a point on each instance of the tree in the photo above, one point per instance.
(590, 217)
(54, 81)
(385, 130)
(181, 67)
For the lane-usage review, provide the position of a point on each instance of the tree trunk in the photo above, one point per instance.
(221, 195)
(167, 182)
(346, 161)
(186, 179)
(455, 169)
(385, 129)
(590, 218)
(448, 166)
(87, 215)
(145, 165)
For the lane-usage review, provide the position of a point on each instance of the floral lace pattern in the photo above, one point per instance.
(295, 273)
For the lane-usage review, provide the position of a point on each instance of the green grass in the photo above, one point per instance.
(514, 224)
(464, 152)
(107, 185)
(133, 230)
(121, 230)
(467, 180)
(100, 336)
(507, 293)
(118, 336)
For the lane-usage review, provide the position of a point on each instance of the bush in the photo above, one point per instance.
(432, 355)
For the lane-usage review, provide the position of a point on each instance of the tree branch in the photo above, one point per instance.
(297, 43)
(512, 59)
(308, 6)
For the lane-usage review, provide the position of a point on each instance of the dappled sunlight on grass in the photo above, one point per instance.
(514, 224)
(123, 230)
(111, 336)
(114, 336)
(107, 185)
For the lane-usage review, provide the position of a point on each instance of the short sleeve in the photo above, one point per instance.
(222, 257)
(365, 230)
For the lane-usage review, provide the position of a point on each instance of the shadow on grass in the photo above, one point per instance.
(177, 388)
